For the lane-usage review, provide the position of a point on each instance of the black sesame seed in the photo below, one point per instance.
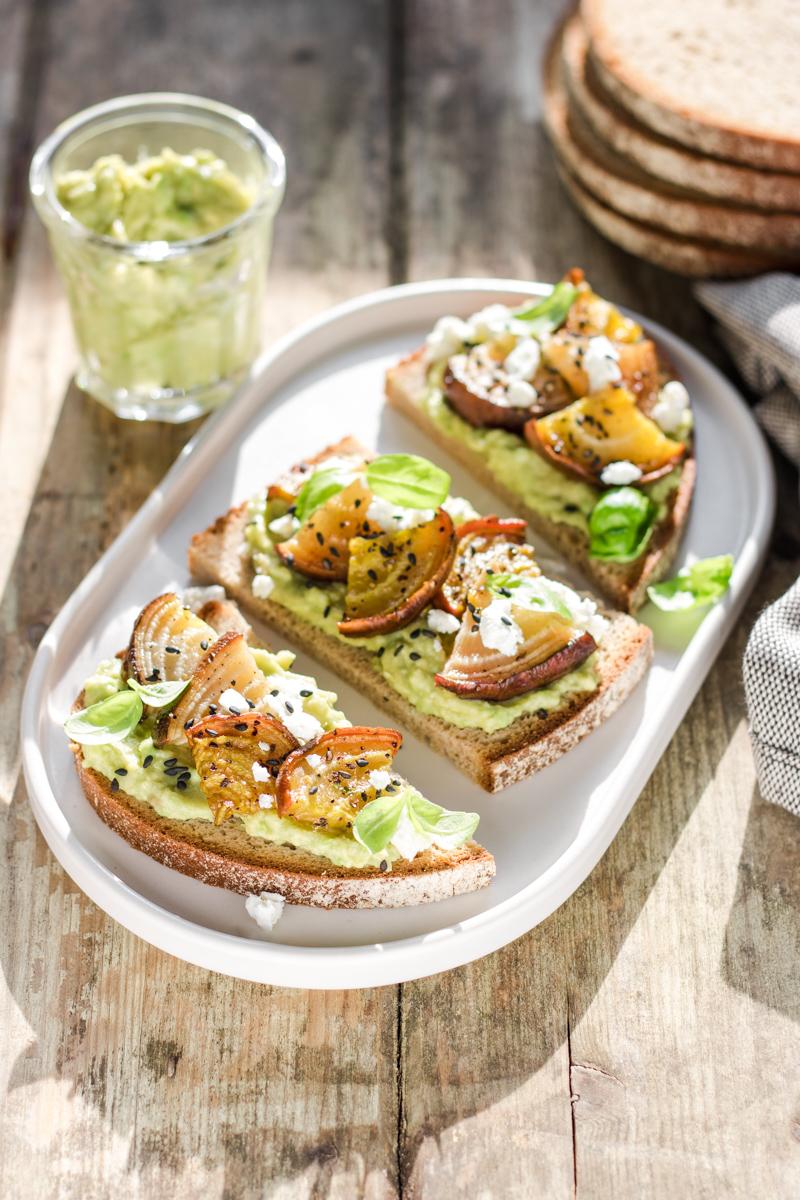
(372, 574)
(360, 762)
(381, 651)
(147, 760)
(506, 620)
(121, 771)
(327, 610)
(541, 713)
(414, 655)
(274, 692)
(182, 784)
(306, 692)
(172, 650)
(313, 791)
(235, 712)
(204, 644)
(415, 633)
(170, 762)
(172, 771)
(188, 724)
(398, 649)
(250, 705)
(115, 785)
(241, 726)
(154, 677)
(384, 865)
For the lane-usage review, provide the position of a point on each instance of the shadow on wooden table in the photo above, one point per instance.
(761, 952)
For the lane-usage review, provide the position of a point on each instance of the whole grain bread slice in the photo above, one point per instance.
(227, 856)
(494, 760)
(716, 76)
(632, 192)
(669, 162)
(624, 583)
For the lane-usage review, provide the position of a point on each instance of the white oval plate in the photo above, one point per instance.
(546, 833)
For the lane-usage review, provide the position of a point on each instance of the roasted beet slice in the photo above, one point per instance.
(607, 427)
(485, 544)
(168, 641)
(320, 548)
(393, 576)
(287, 486)
(638, 363)
(327, 782)
(477, 386)
(550, 648)
(238, 759)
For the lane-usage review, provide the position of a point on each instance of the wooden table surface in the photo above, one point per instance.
(643, 1041)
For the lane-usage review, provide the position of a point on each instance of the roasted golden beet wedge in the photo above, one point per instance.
(607, 427)
(393, 576)
(320, 547)
(593, 316)
(327, 782)
(486, 544)
(638, 363)
(238, 759)
(227, 666)
(476, 385)
(287, 486)
(550, 648)
(168, 641)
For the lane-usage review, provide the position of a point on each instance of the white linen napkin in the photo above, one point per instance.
(759, 322)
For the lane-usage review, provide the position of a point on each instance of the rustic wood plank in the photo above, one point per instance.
(129, 1072)
(636, 1042)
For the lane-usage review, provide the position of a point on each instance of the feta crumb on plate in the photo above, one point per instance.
(266, 909)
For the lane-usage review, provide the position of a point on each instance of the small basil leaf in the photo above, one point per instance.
(440, 822)
(375, 825)
(701, 583)
(550, 313)
(620, 524)
(110, 720)
(408, 481)
(318, 488)
(159, 695)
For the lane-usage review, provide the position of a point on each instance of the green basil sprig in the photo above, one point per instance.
(319, 487)
(701, 583)
(546, 316)
(408, 480)
(620, 524)
(110, 720)
(377, 823)
(159, 695)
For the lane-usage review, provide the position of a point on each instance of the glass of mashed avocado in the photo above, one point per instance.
(159, 209)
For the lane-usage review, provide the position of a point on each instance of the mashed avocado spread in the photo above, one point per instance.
(151, 784)
(408, 658)
(167, 197)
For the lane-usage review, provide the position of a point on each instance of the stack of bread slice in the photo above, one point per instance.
(676, 129)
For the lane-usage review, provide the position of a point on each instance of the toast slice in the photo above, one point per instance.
(624, 583)
(228, 856)
(494, 760)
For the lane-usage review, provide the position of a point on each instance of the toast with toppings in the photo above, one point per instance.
(565, 408)
(204, 750)
(440, 616)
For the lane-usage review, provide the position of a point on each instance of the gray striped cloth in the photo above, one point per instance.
(759, 322)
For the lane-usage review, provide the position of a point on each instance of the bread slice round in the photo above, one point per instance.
(227, 856)
(661, 160)
(683, 255)
(716, 76)
(494, 760)
(629, 191)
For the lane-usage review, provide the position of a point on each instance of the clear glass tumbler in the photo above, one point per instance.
(165, 330)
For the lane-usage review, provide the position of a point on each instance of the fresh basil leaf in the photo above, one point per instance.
(620, 524)
(318, 488)
(534, 594)
(500, 584)
(440, 822)
(110, 720)
(408, 481)
(550, 313)
(159, 695)
(375, 825)
(701, 583)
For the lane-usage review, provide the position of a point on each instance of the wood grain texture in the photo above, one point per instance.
(643, 1040)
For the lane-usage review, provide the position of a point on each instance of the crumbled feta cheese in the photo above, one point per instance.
(459, 509)
(489, 321)
(498, 629)
(314, 760)
(195, 597)
(540, 595)
(262, 586)
(265, 800)
(380, 779)
(260, 774)
(266, 909)
(407, 840)
(618, 474)
(390, 518)
(520, 394)
(601, 363)
(671, 411)
(234, 701)
(288, 707)
(442, 622)
(523, 361)
(446, 338)
(284, 526)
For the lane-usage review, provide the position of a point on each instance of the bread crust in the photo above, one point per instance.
(227, 856)
(494, 760)
(624, 583)
(670, 162)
